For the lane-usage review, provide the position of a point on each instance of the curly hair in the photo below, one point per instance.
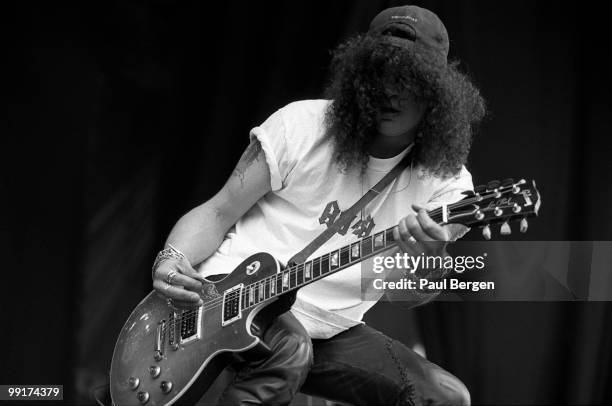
(363, 66)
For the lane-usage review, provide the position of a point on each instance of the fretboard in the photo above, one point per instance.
(297, 276)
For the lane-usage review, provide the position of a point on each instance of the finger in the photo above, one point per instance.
(431, 228)
(417, 207)
(180, 278)
(415, 229)
(409, 248)
(174, 292)
(186, 269)
(407, 242)
(187, 282)
(404, 234)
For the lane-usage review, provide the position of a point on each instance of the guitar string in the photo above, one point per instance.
(260, 285)
(294, 269)
(257, 286)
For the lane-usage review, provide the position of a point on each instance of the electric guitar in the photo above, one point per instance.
(165, 355)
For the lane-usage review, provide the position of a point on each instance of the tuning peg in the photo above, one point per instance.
(486, 232)
(478, 191)
(516, 208)
(524, 225)
(497, 211)
(494, 184)
(505, 229)
(507, 182)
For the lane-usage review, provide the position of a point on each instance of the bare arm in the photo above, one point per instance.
(200, 232)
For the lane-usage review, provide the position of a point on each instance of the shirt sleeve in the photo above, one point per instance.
(272, 137)
(451, 190)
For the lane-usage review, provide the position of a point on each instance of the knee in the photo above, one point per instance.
(451, 389)
(295, 353)
(290, 344)
(292, 353)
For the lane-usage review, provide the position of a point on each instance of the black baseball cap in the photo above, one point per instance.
(414, 28)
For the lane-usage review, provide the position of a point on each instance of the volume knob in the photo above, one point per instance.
(166, 386)
(133, 382)
(143, 397)
(154, 370)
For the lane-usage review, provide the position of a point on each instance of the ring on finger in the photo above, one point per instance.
(412, 240)
(170, 277)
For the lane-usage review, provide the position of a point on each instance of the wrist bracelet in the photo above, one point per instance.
(165, 254)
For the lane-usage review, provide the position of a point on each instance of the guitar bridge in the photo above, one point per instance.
(232, 305)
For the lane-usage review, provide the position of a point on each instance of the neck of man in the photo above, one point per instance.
(385, 146)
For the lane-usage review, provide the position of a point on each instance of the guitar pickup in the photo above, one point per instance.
(232, 305)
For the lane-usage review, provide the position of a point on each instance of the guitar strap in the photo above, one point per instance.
(347, 216)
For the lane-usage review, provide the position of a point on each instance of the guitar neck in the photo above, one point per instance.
(297, 276)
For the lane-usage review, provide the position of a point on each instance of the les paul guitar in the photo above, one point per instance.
(164, 355)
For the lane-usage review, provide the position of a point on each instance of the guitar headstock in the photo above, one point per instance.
(494, 203)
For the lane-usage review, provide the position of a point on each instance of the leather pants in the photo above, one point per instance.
(360, 366)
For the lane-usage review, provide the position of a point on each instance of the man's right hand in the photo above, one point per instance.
(183, 285)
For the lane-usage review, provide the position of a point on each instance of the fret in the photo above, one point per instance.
(366, 246)
(316, 267)
(389, 236)
(324, 264)
(293, 278)
(308, 271)
(242, 298)
(251, 295)
(334, 260)
(256, 298)
(439, 217)
(300, 274)
(262, 291)
(344, 256)
(379, 241)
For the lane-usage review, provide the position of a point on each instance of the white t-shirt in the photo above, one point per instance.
(305, 184)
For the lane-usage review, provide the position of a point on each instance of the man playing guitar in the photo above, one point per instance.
(392, 92)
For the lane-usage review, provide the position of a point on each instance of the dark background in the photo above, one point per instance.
(123, 115)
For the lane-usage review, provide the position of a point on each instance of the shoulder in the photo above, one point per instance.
(305, 111)
(303, 123)
(447, 189)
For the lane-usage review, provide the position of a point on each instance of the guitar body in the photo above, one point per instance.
(160, 359)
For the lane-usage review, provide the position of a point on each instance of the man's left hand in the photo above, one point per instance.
(418, 233)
